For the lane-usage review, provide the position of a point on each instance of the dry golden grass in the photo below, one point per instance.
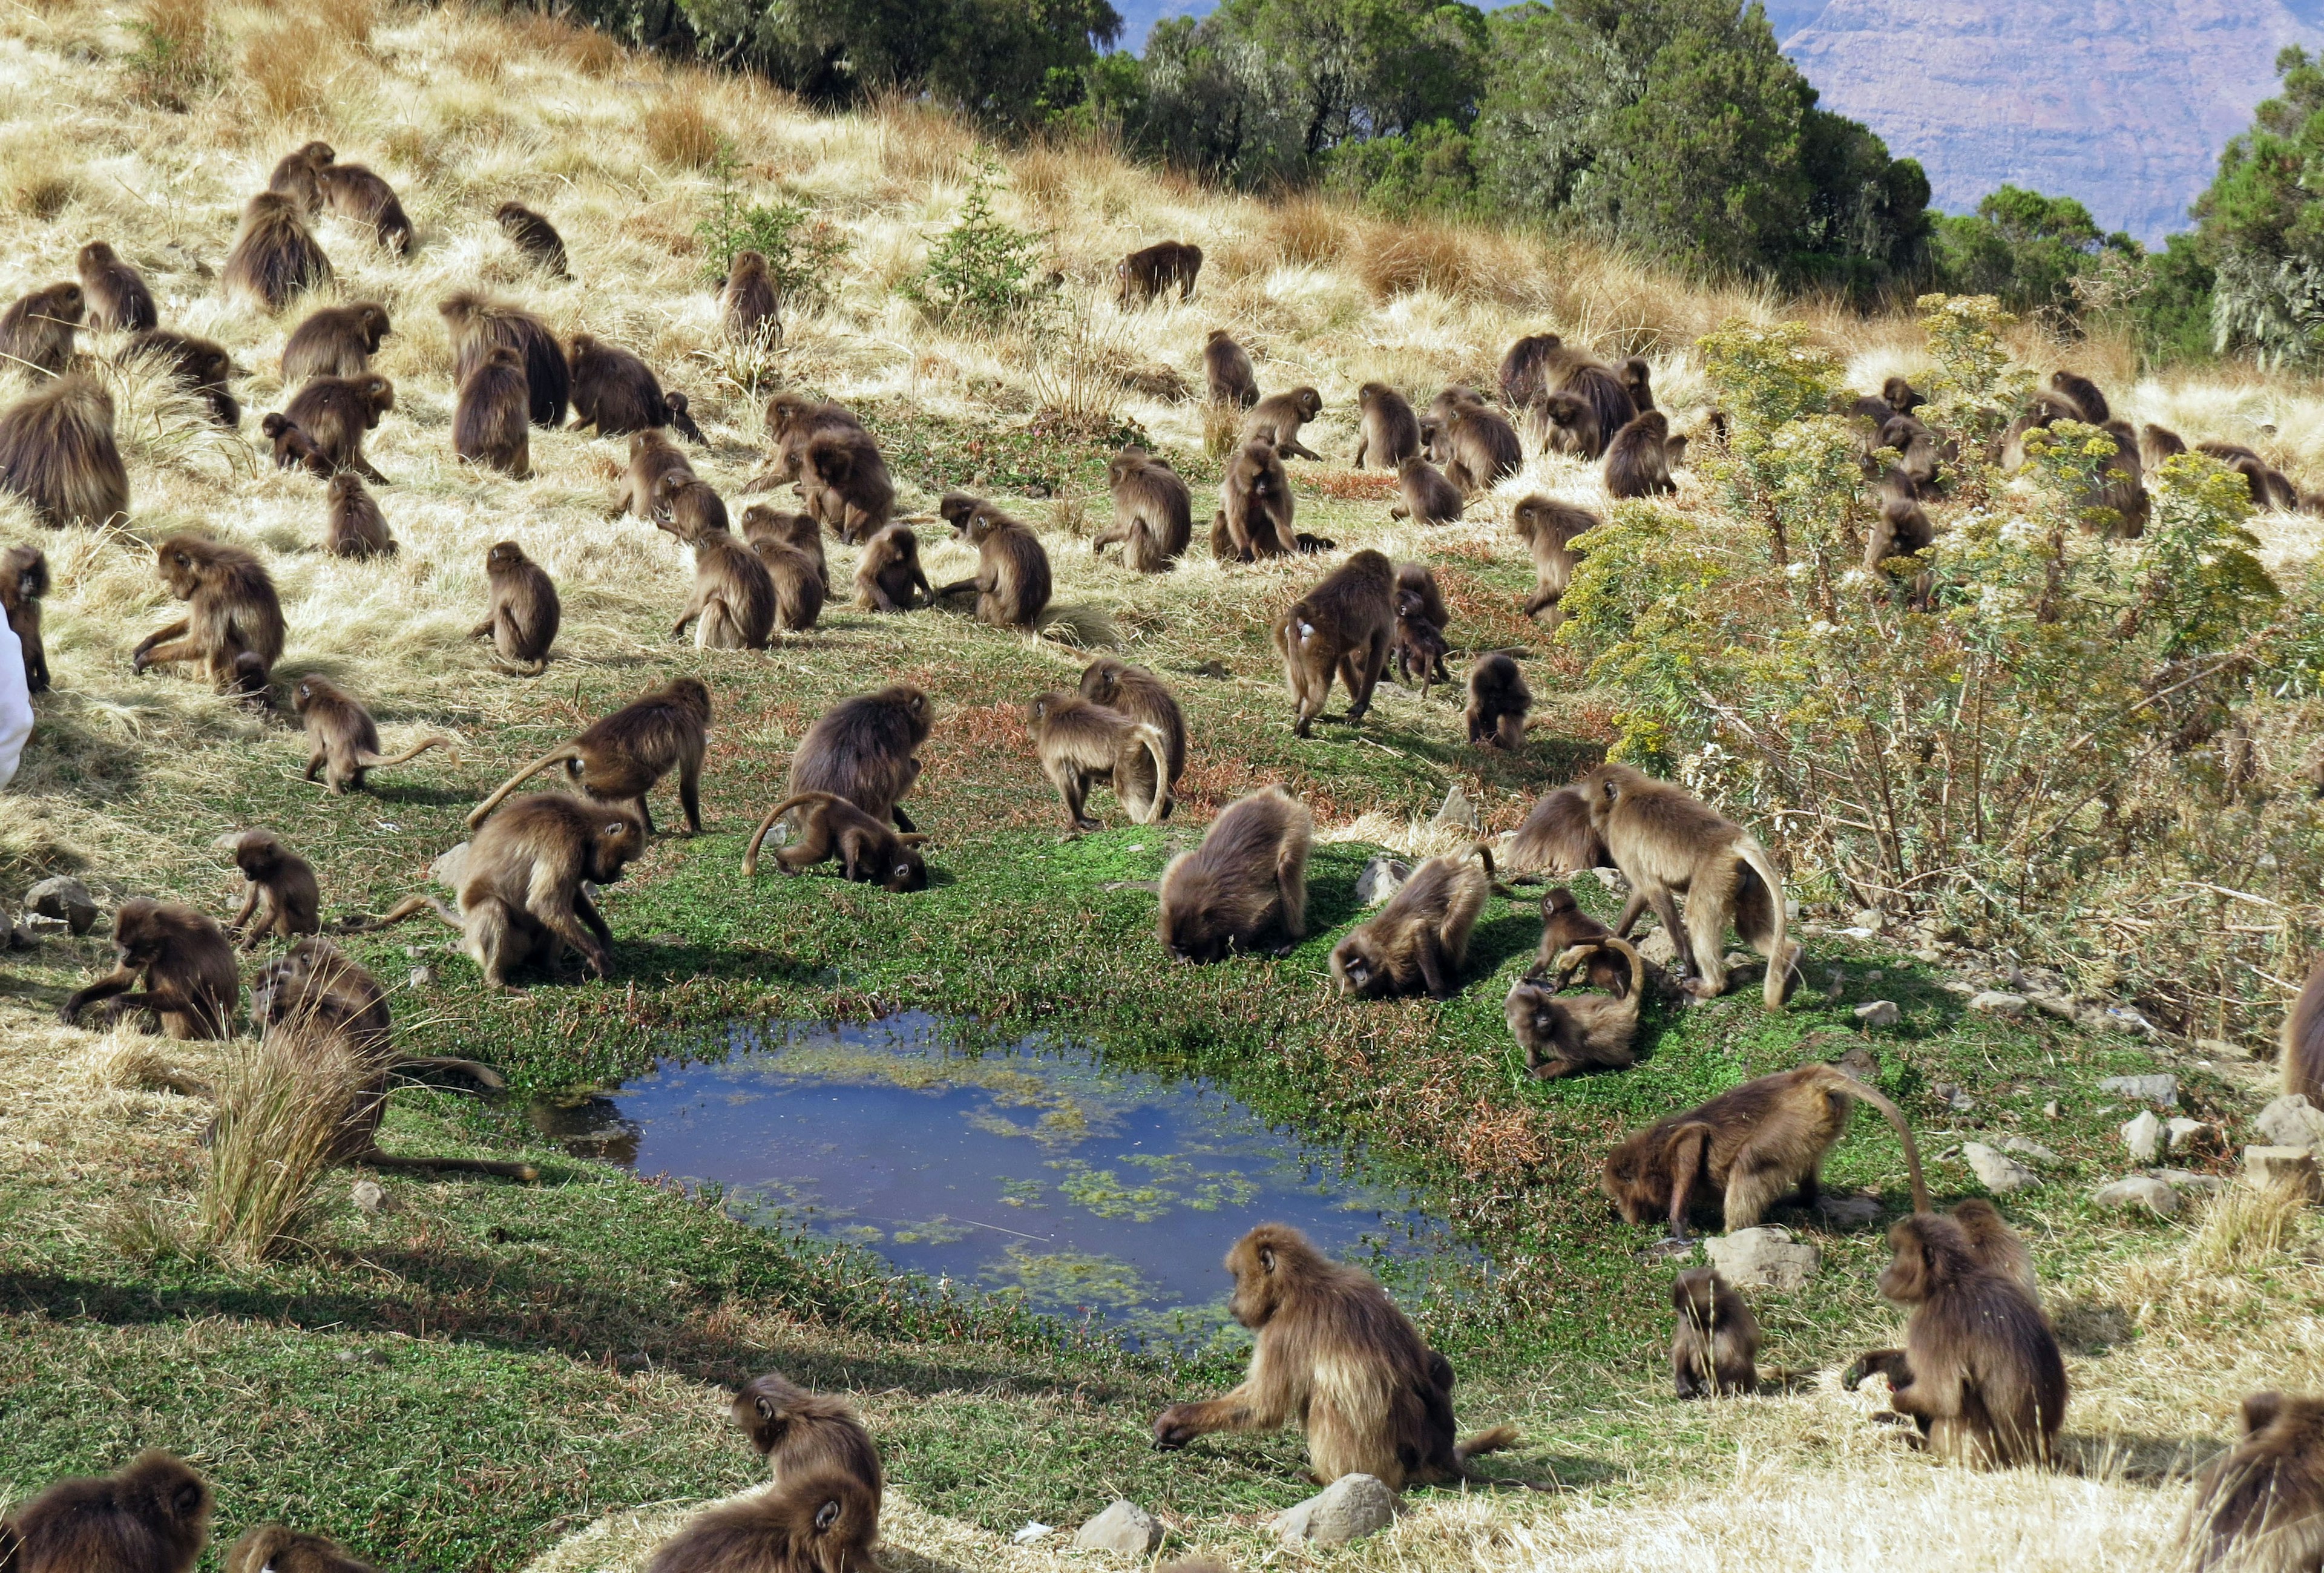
(286, 69)
(281, 1107)
(679, 133)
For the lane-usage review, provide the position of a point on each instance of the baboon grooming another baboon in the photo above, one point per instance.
(152, 1517)
(890, 572)
(491, 425)
(116, 295)
(819, 1522)
(800, 1433)
(1562, 1033)
(1334, 1352)
(1275, 420)
(274, 257)
(1546, 526)
(355, 192)
(336, 412)
(196, 364)
(1150, 272)
(37, 332)
(619, 757)
(653, 458)
(1255, 508)
(1247, 879)
(1141, 696)
(794, 420)
(521, 610)
(1081, 744)
(1153, 512)
(477, 325)
(862, 749)
(1226, 369)
(1716, 1349)
(748, 309)
(283, 900)
(293, 448)
(1420, 938)
(232, 623)
(57, 452)
(618, 393)
(352, 525)
(342, 738)
(24, 581)
(1012, 571)
(1498, 702)
(335, 341)
(181, 964)
(831, 826)
(295, 176)
(1423, 495)
(534, 236)
(2259, 1507)
(1344, 626)
(287, 1550)
(1387, 430)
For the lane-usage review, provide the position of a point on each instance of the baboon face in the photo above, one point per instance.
(910, 873)
(1102, 683)
(375, 326)
(956, 508)
(378, 393)
(1355, 968)
(275, 424)
(1565, 409)
(1309, 404)
(1261, 1261)
(137, 930)
(182, 569)
(1634, 1182)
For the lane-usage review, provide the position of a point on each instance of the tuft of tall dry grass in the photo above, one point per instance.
(921, 145)
(1221, 424)
(348, 21)
(2245, 1225)
(586, 50)
(1308, 232)
(174, 59)
(283, 1103)
(679, 133)
(286, 70)
(1078, 367)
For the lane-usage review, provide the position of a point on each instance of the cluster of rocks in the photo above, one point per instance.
(53, 907)
(1349, 1509)
(2293, 1129)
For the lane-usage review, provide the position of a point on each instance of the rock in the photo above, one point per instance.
(2291, 1121)
(2138, 1191)
(2144, 1137)
(2160, 1090)
(1860, 1063)
(1033, 1530)
(2025, 1148)
(2221, 1048)
(36, 927)
(423, 977)
(1762, 1258)
(2122, 1018)
(368, 1197)
(1849, 1211)
(2050, 1110)
(2187, 1180)
(1349, 1509)
(1993, 1001)
(1658, 950)
(1997, 1170)
(1867, 917)
(1383, 877)
(2178, 1132)
(1458, 810)
(63, 897)
(1928, 957)
(2291, 1168)
(1611, 878)
(1953, 1097)
(446, 870)
(2056, 1004)
(1125, 1529)
(1874, 975)
(1880, 1014)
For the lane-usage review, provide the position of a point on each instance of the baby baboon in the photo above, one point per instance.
(1334, 1352)
(115, 293)
(614, 390)
(794, 420)
(1917, 467)
(23, 582)
(1557, 836)
(1419, 642)
(1081, 744)
(1751, 1146)
(653, 459)
(490, 426)
(1417, 595)
(1153, 512)
(747, 307)
(181, 964)
(1567, 423)
(335, 412)
(1665, 839)
(153, 1517)
(2302, 1041)
(1637, 382)
(820, 1522)
(274, 259)
(1246, 880)
(1276, 419)
(1901, 396)
(2090, 404)
(1226, 370)
(1420, 939)
(733, 594)
(1565, 927)
(618, 758)
(831, 826)
(800, 1433)
(862, 749)
(1387, 430)
(1479, 448)
(2259, 1507)
(352, 525)
(295, 176)
(271, 1546)
(1980, 1371)
(1344, 626)
(522, 611)
(198, 364)
(1562, 1033)
(1716, 1349)
(232, 623)
(1546, 525)
(342, 739)
(533, 236)
(1425, 496)
(335, 341)
(1637, 461)
(293, 448)
(283, 899)
(845, 483)
(890, 572)
(354, 192)
(1013, 570)
(1255, 508)
(1141, 696)
(477, 325)
(57, 452)
(1498, 702)
(1146, 273)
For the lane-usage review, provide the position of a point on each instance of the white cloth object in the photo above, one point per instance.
(15, 704)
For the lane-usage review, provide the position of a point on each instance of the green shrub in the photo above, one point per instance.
(802, 251)
(983, 271)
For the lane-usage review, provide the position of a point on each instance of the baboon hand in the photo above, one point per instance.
(1174, 1428)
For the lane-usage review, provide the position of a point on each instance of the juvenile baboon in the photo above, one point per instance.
(2158, 443)
(521, 610)
(1637, 461)
(797, 574)
(181, 964)
(1562, 1033)
(342, 739)
(491, 425)
(295, 176)
(890, 572)
(354, 192)
(1153, 512)
(1637, 382)
(24, 583)
(335, 341)
(152, 1517)
(1246, 882)
(1665, 839)
(1716, 1349)
(198, 364)
(1546, 525)
(762, 522)
(1387, 430)
(232, 623)
(274, 259)
(654, 458)
(1344, 626)
(1081, 743)
(1334, 1352)
(618, 758)
(1417, 595)
(1146, 273)
(335, 412)
(1012, 570)
(37, 332)
(533, 236)
(1901, 396)
(1980, 1371)
(1255, 508)
(1424, 496)
(353, 525)
(862, 749)
(1227, 371)
(818, 1523)
(747, 307)
(1479, 448)
(286, 1550)
(1276, 419)
(1558, 836)
(2083, 394)
(1420, 939)
(2259, 1506)
(1498, 702)
(1902, 529)
(115, 293)
(477, 325)
(800, 1433)
(293, 448)
(845, 483)
(1419, 641)
(1567, 423)
(283, 899)
(1565, 927)
(794, 420)
(1751, 1146)
(733, 594)
(831, 826)
(1141, 696)
(614, 390)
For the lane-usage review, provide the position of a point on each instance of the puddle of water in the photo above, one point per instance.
(1095, 1193)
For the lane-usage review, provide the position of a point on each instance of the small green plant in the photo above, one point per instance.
(801, 250)
(173, 62)
(983, 271)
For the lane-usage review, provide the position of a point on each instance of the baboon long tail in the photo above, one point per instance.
(1150, 738)
(409, 907)
(374, 761)
(375, 1159)
(451, 1073)
(1487, 1441)
(1638, 964)
(1779, 963)
(560, 756)
(1842, 1082)
(751, 855)
(1484, 851)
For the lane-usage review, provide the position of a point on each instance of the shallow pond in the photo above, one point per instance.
(1093, 1192)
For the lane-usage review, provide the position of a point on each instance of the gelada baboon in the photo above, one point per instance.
(1637, 381)
(2090, 404)
(353, 525)
(1012, 570)
(1345, 625)
(1387, 430)
(1334, 1352)
(1498, 702)
(1558, 837)
(2269, 487)
(295, 176)
(1995, 1244)
(732, 603)
(1715, 1350)
(1979, 1372)
(522, 611)
(1565, 927)
(802, 1433)
(274, 259)
(790, 546)
(1418, 595)
(2259, 1507)
(232, 623)
(2302, 1041)
(492, 425)
(1081, 744)
(57, 452)
(845, 483)
(335, 341)
(1153, 512)
(862, 749)
(654, 458)
(617, 393)
(1478, 448)
(1666, 840)
(1562, 1033)
(2159, 443)
(354, 192)
(618, 758)
(1637, 461)
(820, 1522)
(1227, 371)
(37, 332)
(478, 324)
(180, 965)
(1276, 419)
(293, 448)
(152, 1517)
(1146, 273)
(1902, 528)
(533, 236)
(889, 573)
(1255, 508)
(283, 900)
(762, 522)
(24, 583)
(342, 739)
(1141, 696)
(288, 1551)
(1419, 640)
(831, 826)
(335, 412)
(116, 293)
(1420, 939)
(198, 364)
(1524, 368)
(1246, 883)
(1566, 423)
(1423, 493)
(794, 420)
(1547, 526)
(1751, 1146)
(748, 309)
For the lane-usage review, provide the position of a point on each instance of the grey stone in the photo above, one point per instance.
(1994, 1001)
(2144, 1137)
(1383, 877)
(2050, 1110)
(2268, 1168)
(2187, 1180)
(1124, 1528)
(2158, 1089)
(2026, 1148)
(2291, 1121)
(1953, 1097)
(1927, 957)
(1762, 1258)
(2138, 1191)
(1349, 1509)
(1658, 950)
(446, 870)
(1847, 1211)
(1458, 810)
(1867, 917)
(368, 1196)
(421, 977)
(63, 896)
(1880, 1014)
(2178, 1131)
(1997, 1170)
(1611, 878)
(2056, 1004)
